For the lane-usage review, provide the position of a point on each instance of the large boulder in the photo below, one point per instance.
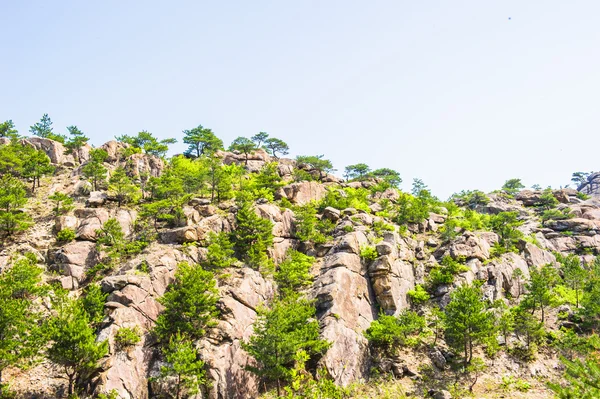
(473, 245)
(345, 308)
(499, 275)
(114, 149)
(241, 294)
(138, 165)
(56, 151)
(92, 219)
(592, 185)
(283, 220)
(303, 192)
(74, 259)
(578, 225)
(537, 257)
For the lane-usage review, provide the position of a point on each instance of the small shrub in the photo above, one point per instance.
(418, 295)
(65, 235)
(127, 337)
(348, 228)
(582, 196)
(368, 253)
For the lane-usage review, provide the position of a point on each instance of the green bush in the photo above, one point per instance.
(447, 271)
(418, 295)
(368, 253)
(404, 329)
(65, 235)
(127, 337)
(357, 198)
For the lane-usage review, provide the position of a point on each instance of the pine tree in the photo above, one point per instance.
(20, 333)
(294, 272)
(12, 198)
(121, 186)
(184, 364)
(357, 172)
(575, 275)
(77, 140)
(190, 304)
(148, 143)
(43, 128)
(201, 141)
(73, 342)
(243, 145)
(220, 252)
(63, 203)
(260, 138)
(582, 379)
(539, 288)
(275, 146)
(467, 321)
(36, 165)
(252, 235)
(94, 169)
(279, 333)
(7, 130)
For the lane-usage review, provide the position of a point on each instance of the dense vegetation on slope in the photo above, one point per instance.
(43, 319)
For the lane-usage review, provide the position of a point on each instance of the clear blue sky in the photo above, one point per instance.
(463, 94)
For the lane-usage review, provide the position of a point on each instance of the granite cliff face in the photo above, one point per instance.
(349, 291)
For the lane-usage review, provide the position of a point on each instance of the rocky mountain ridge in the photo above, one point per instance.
(349, 290)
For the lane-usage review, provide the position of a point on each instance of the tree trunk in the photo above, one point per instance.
(33, 187)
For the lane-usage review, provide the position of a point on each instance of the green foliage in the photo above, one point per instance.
(580, 178)
(368, 253)
(380, 227)
(111, 235)
(148, 143)
(359, 172)
(113, 394)
(73, 344)
(243, 145)
(190, 304)
(512, 186)
(220, 179)
(412, 209)
(591, 296)
(93, 301)
(293, 273)
(316, 163)
(43, 128)
(201, 141)
(389, 331)
(467, 321)
(267, 181)
(583, 196)
(122, 188)
(274, 146)
(539, 288)
(574, 274)
(252, 235)
(127, 337)
(471, 199)
(7, 130)
(12, 198)
(357, 198)
(188, 175)
(389, 176)
(220, 252)
(556, 214)
(279, 333)
(93, 169)
(303, 385)
(76, 140)
(259, 138)
(20, 328)
(184, 364)
(65, 235)
(505, 225)
(529, 330)
(582, 379)
(447, 271)
(35, 166)
(63, 203)
(309, 227)
(547, 200)
(418, 295)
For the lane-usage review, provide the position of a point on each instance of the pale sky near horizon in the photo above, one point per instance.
(462, 94)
